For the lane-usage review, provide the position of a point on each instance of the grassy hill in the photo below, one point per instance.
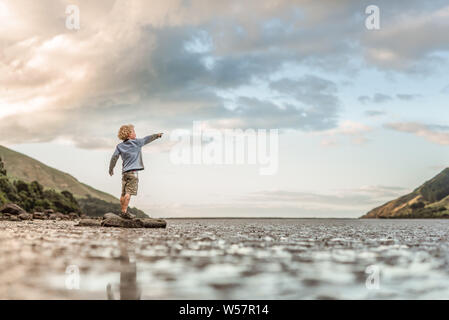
(22, 168)
(32, 197)
(430, 200)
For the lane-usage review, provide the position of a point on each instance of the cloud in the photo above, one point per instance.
(286, 203)
(255, 113)
(317, 96)
(308, 89)
(374, 113)
(121, 65)
(407, 97)
(381, 98)
(363, 198)
(409, 40)
(376, 98)
(162, 65)
(354, 130)
(364, 99)
(434, 133)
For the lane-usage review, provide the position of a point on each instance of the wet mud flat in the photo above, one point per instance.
(227, 259)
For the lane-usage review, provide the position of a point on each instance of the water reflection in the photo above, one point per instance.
(228, 259)
(128, 287)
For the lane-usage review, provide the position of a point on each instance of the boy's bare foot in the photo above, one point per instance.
(126, 215)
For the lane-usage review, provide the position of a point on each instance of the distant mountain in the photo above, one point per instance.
(430, 200)
(92, 201)
(22, 167)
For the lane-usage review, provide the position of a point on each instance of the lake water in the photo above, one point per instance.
(227, 259)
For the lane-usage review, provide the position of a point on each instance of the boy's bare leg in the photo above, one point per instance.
(124, 201)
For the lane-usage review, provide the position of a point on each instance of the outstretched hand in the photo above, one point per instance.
(159, 135)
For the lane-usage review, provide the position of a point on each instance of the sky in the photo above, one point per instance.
(360, 112)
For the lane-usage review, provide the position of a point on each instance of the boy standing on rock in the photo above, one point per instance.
(131, 153)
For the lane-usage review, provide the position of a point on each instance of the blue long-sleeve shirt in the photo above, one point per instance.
(131, 152)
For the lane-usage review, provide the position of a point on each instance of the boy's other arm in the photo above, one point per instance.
(150, 138)
(114, 159)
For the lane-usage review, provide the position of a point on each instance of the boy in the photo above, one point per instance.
(131, 153)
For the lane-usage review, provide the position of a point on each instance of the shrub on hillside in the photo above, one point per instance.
(32, 196)
(97, 207)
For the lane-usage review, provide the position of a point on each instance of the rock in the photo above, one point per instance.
(113, 220)
(11, 208)
(25, 216)
(83, 216)
(110, 215)
(49, 211)
(39, 215)
(88, 223)
(73, 215)
(14, 218)
(53, 216)
(154, 223)
(61, 216)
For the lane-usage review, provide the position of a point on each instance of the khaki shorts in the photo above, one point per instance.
(130, 182)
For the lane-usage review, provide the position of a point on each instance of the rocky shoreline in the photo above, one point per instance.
(113, 220)
(13, 212)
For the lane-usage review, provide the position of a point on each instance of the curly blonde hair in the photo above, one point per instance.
(125, 131)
